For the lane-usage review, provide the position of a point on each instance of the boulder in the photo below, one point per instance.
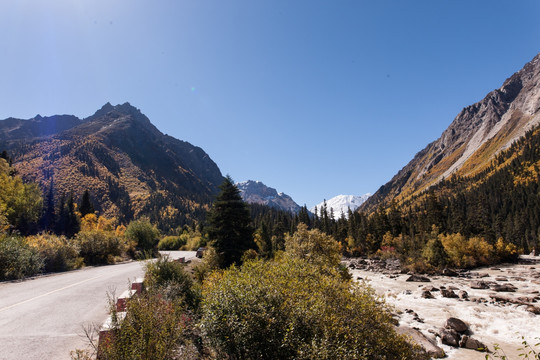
(449, 337)
(503, 288)
(420, 339)
(463, 341)
(449, 272)
(463, 294)
(448, 294)
(418, 278)
(479, 285)
(533, 309)
(427, 295)
(474, 344)
(456, 324)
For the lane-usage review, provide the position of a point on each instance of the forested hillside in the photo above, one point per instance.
(129, 168)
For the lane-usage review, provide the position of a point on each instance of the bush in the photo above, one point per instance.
(172, 242)
(171, 280)
(57, 252)
(152, 329)
(468, 253)
(313, 246)
(99, 247)
(143, 234)
(289, 309)
(18, 259)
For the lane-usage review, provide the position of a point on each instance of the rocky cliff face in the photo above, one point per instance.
(130, 168)
(472, 140)
(255, 192)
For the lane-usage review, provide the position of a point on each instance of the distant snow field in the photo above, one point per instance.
(341, 204)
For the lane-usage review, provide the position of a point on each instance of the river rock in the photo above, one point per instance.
(456, 324)
(503, 288)
(533, 309)
(417, 337)
(474, 344)
(449, 337)
(463, 294)
(418, 278)
(448, 294)
(479, 285)
(449, 272)
(427, 295)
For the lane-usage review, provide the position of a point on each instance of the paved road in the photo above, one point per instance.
(44, 318)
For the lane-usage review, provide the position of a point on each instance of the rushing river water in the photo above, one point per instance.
(491, 322)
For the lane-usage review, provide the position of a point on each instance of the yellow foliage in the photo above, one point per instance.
(313, 246)
(120, 230)
(467, 253)
(89, 222)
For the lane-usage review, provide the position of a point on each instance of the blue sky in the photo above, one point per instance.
(314, 98)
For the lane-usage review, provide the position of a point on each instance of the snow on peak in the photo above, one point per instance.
(340, 204)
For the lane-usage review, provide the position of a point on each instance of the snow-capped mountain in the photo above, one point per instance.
(341, 204)
(255, 192)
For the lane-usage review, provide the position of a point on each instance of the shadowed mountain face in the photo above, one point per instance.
(130, 168)
(472, 140)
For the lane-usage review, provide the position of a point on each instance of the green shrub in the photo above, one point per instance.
(152, 329)
(314, 246)
(290, 309)
(57, 252)
(142, 233)
(171, 280)
(172, 242)
(18, 259)
(99, 247)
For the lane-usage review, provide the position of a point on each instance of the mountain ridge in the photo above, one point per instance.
(129, 166)
(471, 141)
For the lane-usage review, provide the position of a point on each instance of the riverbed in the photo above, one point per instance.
(491, 321)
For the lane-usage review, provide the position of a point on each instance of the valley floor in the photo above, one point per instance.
(491, 321)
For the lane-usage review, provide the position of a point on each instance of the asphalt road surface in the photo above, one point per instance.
(45, 317)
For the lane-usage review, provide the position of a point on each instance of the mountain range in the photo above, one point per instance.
(472, 141)
(130, 168)
(255, 192)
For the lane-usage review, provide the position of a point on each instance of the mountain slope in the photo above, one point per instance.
(130, 167)
(255, 192)
(341, 204)
(472, 140)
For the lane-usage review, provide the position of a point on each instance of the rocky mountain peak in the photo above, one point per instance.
(255, 192)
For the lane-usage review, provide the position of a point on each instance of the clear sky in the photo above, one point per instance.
(314, 98)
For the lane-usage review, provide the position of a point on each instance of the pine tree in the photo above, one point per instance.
(86, 206)
(229, 221)
(48, 219)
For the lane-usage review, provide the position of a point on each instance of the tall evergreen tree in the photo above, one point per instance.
(229, 228)
(48, 219)
(86, 206)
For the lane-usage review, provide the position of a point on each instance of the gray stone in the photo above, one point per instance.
(474, 344)
(503, 288)
(479, 285)
(449, 337)
(456, 324)
(418, 278)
